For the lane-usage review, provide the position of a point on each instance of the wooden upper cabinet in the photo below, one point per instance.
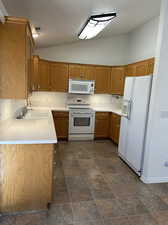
(16, 45)
(76, 71)
(117, 80)
(59, 77)
(151, 63)
(34, 74)
(81, 72)
(44, 75)
(53, 76)
(130, 70)
(141, 68)
(29, 53)
(89, 72)
(102, 79)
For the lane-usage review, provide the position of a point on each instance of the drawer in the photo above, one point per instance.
(102, 115)
(60, 114)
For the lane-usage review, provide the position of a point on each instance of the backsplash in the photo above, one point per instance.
(59, 99)
(106, 100)
(48, 99)
(9, 107)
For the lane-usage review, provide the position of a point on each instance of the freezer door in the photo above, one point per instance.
(128, 90)
(137, 124)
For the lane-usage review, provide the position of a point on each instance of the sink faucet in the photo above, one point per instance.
(29, 103)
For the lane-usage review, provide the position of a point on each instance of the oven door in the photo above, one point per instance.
(81, 123)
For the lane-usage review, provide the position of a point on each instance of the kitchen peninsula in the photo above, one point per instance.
(27, 151)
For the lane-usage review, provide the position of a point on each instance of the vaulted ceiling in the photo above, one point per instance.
(61, 20)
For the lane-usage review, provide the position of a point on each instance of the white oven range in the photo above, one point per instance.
(81, 123)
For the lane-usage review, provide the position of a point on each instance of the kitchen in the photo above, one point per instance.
(81, 118)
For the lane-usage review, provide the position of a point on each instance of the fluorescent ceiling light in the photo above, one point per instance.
(95, 24)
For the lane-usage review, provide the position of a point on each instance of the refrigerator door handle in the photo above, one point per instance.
(126, 109)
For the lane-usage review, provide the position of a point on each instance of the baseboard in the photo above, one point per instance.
(153, 180)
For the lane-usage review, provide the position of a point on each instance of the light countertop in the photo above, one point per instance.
(95, 108)
(108, 109)
(37, 127)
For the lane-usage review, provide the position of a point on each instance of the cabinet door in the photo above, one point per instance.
(117, 80)
(59, 77)
(131, 70)
(76, 72)
(151, 64)
(102, 79)
(115, 127)
(44, 76)
(81, 72)
(27, 179)
(102, 125)
(34, 75)
(61, 120)
(89, 73)
(141, 68)
(13, 77)
(29, 50)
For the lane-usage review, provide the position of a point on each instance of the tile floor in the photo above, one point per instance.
(92, 186)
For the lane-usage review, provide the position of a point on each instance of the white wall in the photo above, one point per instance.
(155, 169)
(137, 45)
(3, 12)
(106, 51)
(142, 41)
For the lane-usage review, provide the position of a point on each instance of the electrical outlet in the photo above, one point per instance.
(166, 164)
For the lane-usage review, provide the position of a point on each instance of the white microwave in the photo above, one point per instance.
(81, 86)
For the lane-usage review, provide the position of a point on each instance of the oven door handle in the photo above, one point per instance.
(81, 114)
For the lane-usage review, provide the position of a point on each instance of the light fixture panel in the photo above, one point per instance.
(95, 24)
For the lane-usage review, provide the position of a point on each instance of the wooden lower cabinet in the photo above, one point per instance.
(107, 125)
(26, 177)
(102, 125)
(61, 120)
(115, 127)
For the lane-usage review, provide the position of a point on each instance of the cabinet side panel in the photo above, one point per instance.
(12, 61)
(27, 177)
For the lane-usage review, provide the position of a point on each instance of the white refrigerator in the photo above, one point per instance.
(134, 121)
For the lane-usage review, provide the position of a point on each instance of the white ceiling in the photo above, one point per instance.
(61, 20)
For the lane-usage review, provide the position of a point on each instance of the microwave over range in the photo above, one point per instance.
(81, 86)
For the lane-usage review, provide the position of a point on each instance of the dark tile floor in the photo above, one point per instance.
(92, 186)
